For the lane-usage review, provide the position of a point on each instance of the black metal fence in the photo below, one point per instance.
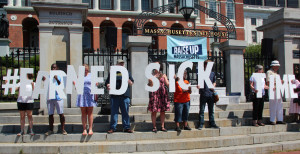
(156, 55)
(250, 61)
(105, 57)
(17, 58)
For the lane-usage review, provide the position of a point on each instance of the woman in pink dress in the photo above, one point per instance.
(294, 106)
(159, 100)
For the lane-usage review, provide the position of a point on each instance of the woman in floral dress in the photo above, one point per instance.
(158, 100)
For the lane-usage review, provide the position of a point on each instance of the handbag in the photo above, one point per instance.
(216, 97)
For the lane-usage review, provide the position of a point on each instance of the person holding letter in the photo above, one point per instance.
(120, 101)
(182, 104)
(258, 103)
(159, 100)
(206, 96)
(57, 103)
(276, 106)
(86, 102)
(294, 104)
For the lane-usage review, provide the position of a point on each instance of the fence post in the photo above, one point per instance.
(138, 48)
(234, 67)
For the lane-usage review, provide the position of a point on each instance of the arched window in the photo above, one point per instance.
(230, 9)
(30, 32)
(108, 34)
(87, 37)
(126, 31)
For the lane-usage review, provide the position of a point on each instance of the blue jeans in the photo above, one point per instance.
(182, 111)
(210, 104)
(122, 103)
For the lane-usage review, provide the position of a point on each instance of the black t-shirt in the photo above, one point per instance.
(119, 83)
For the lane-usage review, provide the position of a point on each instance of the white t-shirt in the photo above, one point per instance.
(262, 82)
(26, 99)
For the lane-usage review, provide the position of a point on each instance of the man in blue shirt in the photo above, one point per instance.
(206, 96)
(120, 101)
(57, 103)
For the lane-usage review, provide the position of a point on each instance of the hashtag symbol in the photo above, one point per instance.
(7, 85)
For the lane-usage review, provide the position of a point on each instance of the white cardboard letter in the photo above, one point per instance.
(38, 89)
(72, 77)
(292, 86)
(59, 88)
(271, 87)
(180, 73)
(171, 78)
(148, 74)
(95, 79)
(24, 81)
(259, 77)
(283, 88)
(113, 80)
(204, 75)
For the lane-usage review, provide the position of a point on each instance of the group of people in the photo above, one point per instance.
(275, 105)
(158, 102)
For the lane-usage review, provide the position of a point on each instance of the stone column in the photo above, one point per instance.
(159, 3)
(234, 67)
(96, 4)
(138, 48)
(75, 55)
(138, 5)
(18, 3)
(117, 5)
(10, 3)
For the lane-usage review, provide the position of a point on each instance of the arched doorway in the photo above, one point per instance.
(151, 25)
(126, 31)
(108, 35)
(87, 37)
(176, 26)
(30, 32)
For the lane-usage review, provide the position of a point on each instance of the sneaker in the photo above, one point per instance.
(128, 131)
(64, 132)
(187, 128)
(200, 127)
(280, 122)
(214, 126)
(178, 129)
(272, 123)
(110, 131)
(49, 132)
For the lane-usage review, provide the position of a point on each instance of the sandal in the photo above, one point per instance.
(164, 129)
(154, 129)
(32, 132)
(90, 132)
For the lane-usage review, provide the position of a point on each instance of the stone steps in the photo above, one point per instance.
(148, 135)
(152, 145)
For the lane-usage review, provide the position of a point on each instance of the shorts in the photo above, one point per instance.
(24, 106)
(58, 104)
(181, 111)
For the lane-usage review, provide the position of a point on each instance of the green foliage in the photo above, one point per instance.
(253, 49)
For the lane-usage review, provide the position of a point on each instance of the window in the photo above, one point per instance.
(254, 36)
(253, 21)
(213, 5)
(89, 2)
(281, 3)
(292, 3)
(196, 10)
(126, 5)
(230, 9)
(253, 2)
(270, 2)
(146, 5)
(172, 10)
(25, 3)
(105, 4)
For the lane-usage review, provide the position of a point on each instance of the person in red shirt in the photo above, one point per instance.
(182, 104)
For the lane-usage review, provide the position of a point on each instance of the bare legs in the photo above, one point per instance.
(87, 113)
(22, 121)
(162, 120)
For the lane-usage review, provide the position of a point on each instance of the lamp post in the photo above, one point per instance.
(186, 8)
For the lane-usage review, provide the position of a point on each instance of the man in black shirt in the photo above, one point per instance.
(120, 101)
